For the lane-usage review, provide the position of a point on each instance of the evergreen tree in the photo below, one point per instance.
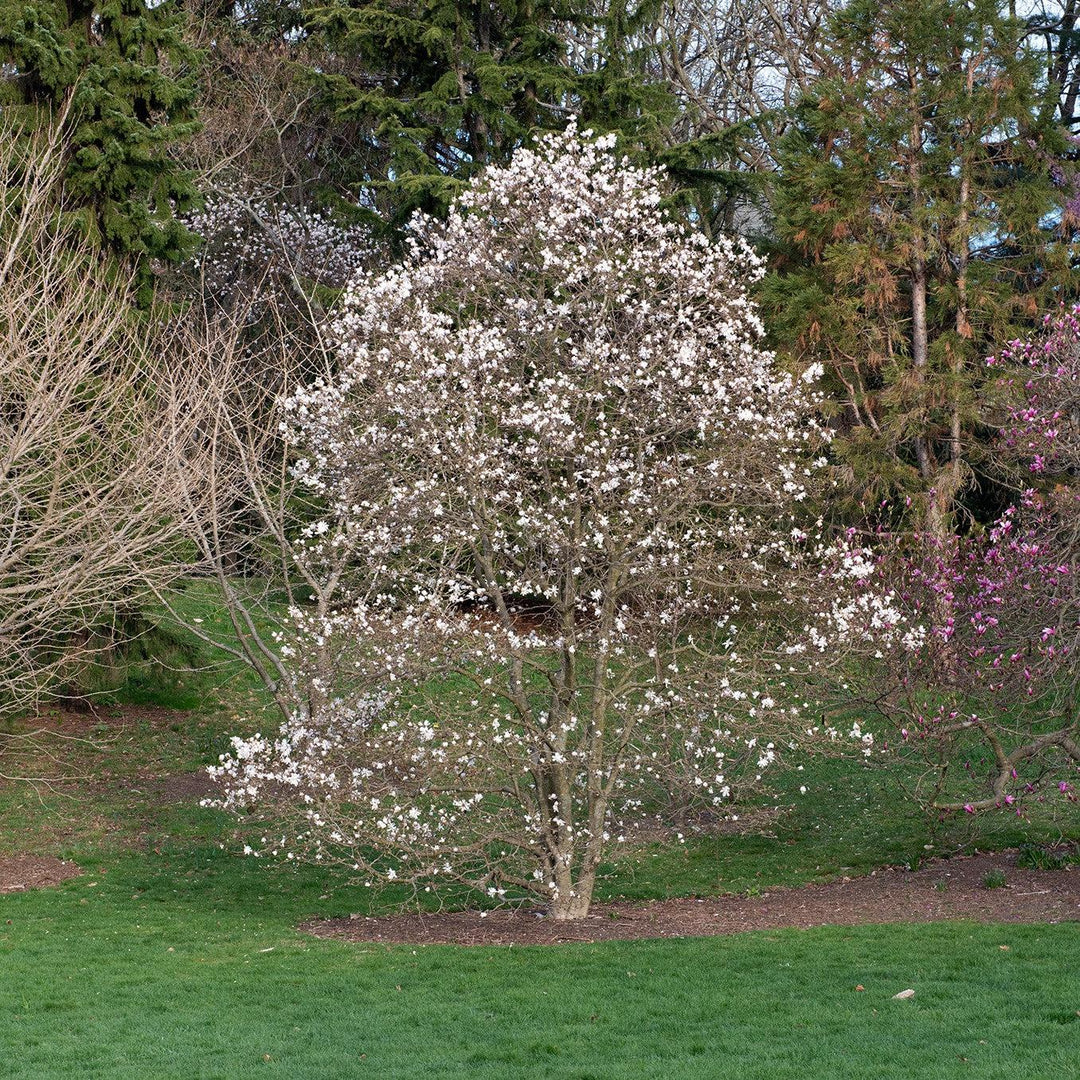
(919, 224)
(623, 85)
(430, 91)
(121, 72)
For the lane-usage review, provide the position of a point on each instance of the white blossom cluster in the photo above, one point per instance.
(563, 470)
(250, 240)
(862, 609)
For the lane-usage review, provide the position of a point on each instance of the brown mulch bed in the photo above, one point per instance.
(946, 889)
(21, 872)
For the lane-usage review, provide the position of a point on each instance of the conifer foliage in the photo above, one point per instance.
(438, 88)
(121, 72)
(432, 91)
(916, 220)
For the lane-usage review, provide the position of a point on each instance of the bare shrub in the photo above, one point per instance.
(88, 416)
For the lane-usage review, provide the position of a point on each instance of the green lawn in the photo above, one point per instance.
(137, 974)
(172, 956)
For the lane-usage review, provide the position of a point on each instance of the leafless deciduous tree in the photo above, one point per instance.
(736, 60)
(735, 67)
(264, 161)
(1054, 29)
(242, 507)
(87, 419)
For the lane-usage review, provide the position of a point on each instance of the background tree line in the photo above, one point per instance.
(909, 169)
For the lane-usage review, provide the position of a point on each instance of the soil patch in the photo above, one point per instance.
(181, 787)
(945, 889)
(21, 872)
(100, 723)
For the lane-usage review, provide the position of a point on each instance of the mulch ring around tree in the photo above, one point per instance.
(21, 872)
(945, 889)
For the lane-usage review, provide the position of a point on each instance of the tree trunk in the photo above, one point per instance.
(938, 505)
(920, 349)
(571, 904)
(963, 325)
(963, 259)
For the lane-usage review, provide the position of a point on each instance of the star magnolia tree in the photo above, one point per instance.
(256, 250)
(561, 464)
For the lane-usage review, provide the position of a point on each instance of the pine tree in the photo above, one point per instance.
(120, 71)
(435, 89)
(916, 212)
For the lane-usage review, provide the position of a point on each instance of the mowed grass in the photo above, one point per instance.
(173, 956)
(130, 974)
(852, 817)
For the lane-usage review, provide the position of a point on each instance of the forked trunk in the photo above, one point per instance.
(572, 905)
(574, 891)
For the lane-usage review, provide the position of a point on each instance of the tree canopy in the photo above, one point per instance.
(920, 219)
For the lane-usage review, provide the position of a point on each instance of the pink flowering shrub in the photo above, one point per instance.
(1044, 429)
(982, 684)
(974, 661)
(560, 467)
